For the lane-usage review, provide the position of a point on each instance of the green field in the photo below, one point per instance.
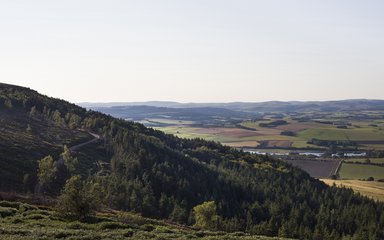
(361, 171)
(353, 134)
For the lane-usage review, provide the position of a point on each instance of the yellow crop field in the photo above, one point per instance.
(371, 189)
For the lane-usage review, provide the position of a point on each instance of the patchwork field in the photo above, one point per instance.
(276, 135)
(371, 189)
(291, 134)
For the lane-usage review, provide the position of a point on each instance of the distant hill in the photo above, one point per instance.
(161, 176)
(216, 112)
(260, 107)
(119, 104)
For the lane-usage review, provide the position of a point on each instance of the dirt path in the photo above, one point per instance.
(95, 139)
(72, 149)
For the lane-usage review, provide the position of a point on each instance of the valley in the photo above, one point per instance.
(325, 139)
(202, 188)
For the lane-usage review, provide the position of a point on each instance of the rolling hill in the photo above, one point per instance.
(260, 107)
(161, 176)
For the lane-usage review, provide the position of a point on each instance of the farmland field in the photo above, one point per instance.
(360, 171)
(235, 136)
(282, 132)
(348, 125)
(258, 134)
(316, 168)
(367, 188)
(353, 134)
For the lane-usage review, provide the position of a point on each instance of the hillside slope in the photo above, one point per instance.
(27, 136)
(25, 221)
(162, 176)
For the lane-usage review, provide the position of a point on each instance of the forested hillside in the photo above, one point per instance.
(161, 176)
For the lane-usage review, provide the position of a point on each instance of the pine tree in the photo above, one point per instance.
(69, 161)
(47, 170)
(78, 199)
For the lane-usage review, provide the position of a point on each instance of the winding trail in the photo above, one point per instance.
(73, 149)
(95, 139)
(60, 161)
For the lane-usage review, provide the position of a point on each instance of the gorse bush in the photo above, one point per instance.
(15, 205)
(112, 225)
(7, 211)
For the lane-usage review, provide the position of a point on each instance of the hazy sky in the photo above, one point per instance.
(194, 50)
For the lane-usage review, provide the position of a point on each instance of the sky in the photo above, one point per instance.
(194, 51)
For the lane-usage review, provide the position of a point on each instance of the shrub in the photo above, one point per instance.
(8, 204)
(200, 234)
(148, 227)
(163, 229)
(36, 216)
(17, 220)
(62, 235)
(37, 211)
(7, 212)
(129, 233)
(76, 225)
(371, 179)
(112, 225)
(132, 218)
(88, 237)
(26, 207)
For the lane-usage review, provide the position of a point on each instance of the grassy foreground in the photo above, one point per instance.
(371, 189)
(23, 221)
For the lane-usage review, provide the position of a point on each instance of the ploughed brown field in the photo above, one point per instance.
(227, 132)
(279, 144)
(316, 168)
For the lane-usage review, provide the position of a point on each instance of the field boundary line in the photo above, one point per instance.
(338, 168)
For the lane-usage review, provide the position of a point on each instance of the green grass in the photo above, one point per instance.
(170, 121)
(361, 171)
(254, 125)
(46, 224)
(323, 134)
(192, 132)
(333, 133)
